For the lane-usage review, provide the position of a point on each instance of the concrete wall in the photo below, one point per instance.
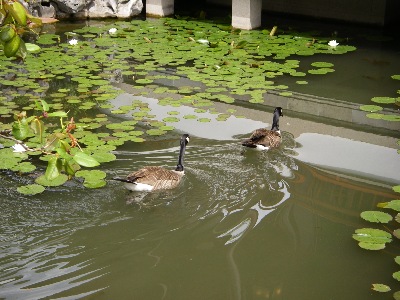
(374, 12)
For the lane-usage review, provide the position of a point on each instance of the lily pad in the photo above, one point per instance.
(31, 189)
(384, 100)
(371, 108)
(380, 287)
(372, 239)
(59, 180)
(376, 216)
(393, 204)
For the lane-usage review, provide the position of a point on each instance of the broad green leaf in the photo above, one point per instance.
(32, 47)
(60, 114)
(52, 141)
(70, 166)
(396, 295)
(372, 239)
(394, 204)
(45, 106)
(376, 216)
(396, 275)
(20, 129)
(396, 233)
(371, 108)
(85, 160)
(380, 287)
(52, 170)
(371, 246)
(31, 189)
(396, 188)
(397, 260)
(60, 180)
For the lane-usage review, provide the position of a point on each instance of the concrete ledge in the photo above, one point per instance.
(156, 10)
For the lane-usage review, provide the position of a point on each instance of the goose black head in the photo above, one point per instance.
(185, 138)
(279, 110)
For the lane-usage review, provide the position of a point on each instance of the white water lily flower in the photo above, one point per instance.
(73, 42)
(333, 43)
(201, 41)
(19, 148)
(112, 30)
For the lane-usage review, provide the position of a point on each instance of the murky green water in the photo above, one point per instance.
(243, 225)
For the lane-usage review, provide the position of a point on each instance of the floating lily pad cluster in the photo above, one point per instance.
(179, 62)
(376, 239)
(375, 111)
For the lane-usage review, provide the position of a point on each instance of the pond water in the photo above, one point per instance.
(242, 225)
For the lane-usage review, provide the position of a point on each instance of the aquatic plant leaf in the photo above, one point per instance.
(393, 204)
(375, 116)
(53, 168)
(396, 275)
(60, 114)
(396, 233)
(20, 129)
(302, 82)
(155, 132)
(371, 246)
(397, 260)
(24, 167)
(379, 287)
(376, 216)
(320, 64)
(60, 180)
(103, 157)
(85, 160)
(94, 184)
(396, 295)
(91, 174)
(384, 100)
(396, 77)
(371, 108)
(391, 118)
(396, 188)
(31, 189)
(32, 47)
(372, 239)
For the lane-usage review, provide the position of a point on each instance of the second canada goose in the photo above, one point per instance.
(263, 139)
(157, 178)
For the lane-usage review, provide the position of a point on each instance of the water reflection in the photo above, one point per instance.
(241, 226)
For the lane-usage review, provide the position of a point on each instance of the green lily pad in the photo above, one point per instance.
(371, 108)
(384, 100)
(393, 204)
(380, 287)
(376, 216)
(372, 239)
(31, 189)
(396, 275)
(59, 180)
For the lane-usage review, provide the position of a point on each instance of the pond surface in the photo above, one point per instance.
(243, 224)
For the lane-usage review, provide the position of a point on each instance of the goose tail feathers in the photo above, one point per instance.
(248, 143)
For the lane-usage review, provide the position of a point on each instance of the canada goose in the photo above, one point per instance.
(263, 139)
(157, 178)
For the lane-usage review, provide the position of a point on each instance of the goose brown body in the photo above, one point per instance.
(264, 139)
(152, 178)
(157, 177)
